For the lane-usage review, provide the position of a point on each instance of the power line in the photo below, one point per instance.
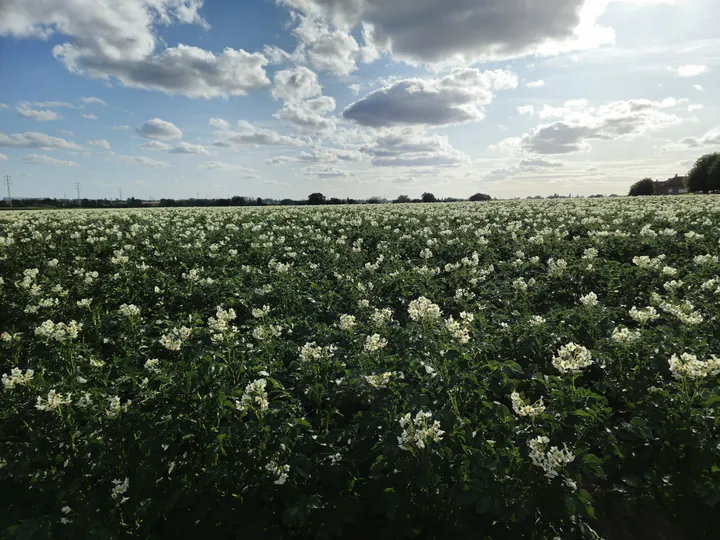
(8, 183)
(77, 187)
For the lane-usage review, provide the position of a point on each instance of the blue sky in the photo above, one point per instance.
(354, 98)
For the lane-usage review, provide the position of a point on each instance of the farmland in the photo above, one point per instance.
(489, 371)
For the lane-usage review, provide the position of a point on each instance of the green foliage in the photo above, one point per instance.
(705, 174)
(646, 186)
(300, 420)
(480, 197)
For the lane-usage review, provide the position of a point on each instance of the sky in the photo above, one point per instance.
(354, 98)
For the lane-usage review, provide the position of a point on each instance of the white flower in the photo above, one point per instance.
(382, 380)
(572, 358)
(17, 378)
(313, 352)
(521, 409)
(255, 396)
(418, 432)
(550, 460)
(175, 338)
(643, 315)
(53, 402)
(589, 300)
(259, 313)
(267, 331)
(625, 336)
(129, 310)
(347, 322)
(537, 320)
(375, 343)
(152, 365)
(423, 309)
(687, 365)
(281, 472)
(381, 317)
(119, 488)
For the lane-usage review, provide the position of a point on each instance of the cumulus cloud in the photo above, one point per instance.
(248, 133)
(109, 39)
(245, 172)
(318, 155)
(89, 117)
(93, 100)
(39, 159)
(582, 122)
(698, 87)
(413, 148)
(42, 115)
(155, 145)
(326, 171)
(535, 84)
(691, 70)
(159, 130)
(456, 98)
(187, 148)
(297, 84)
(526, 110)
(711, 138)
(37, 140)
(465, 31)
(310, 114)
(143, 161)
(53, 104)
(219, 123)
(102, 143)
(120, 128)
(523, 167)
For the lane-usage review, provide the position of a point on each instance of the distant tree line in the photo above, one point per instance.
(704, 177)
(314, 199)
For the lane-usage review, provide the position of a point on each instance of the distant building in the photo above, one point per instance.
(671, 186)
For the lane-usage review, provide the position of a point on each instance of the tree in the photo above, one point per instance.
(374, 200)
(428, 197)
(480, 197)
(705, 174)
(402, 199)
(316, 198)
(335, 200)
(646, 186)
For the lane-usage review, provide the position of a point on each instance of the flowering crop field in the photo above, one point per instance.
(511, 370)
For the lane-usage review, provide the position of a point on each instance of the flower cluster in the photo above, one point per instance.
(374, 343)
(572, 358)
(53, 402)
(521, 409)
(255, 396)
(175, 338)
(347, 322)
(418, 432)
(460, 330)
(129, 310)
(688, 366)
(625, 336)
(422, 309)
(60, 332)
(17, 378)
(279, 471)
(383, 379)
(645, 315)
(312, 352)
(551, 460)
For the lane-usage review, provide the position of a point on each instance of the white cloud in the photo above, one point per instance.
(143, 161)
(535, 84)
(355, 88)
(67, 132)
(523, 167)
(39, 159)
(247, 133)
(102, 143)
(582, 122)
(711, 138)
(219, 123)
(245, 172)
(526, 110)
(159, 130)
(456, 98)
(318, 155)
(412, 148)
(120, 128)
(187, 148)
(110, 39)
(326, 171)
(53, 104)
(26, 111)
(37, 140)
(93, 100)
(3, 157)
(691, 70)
(4, 106)
(310, 114)
(89, 117)
(695, 107)
(296, 84)
(465, 31)
(155, 145)
(698, 87)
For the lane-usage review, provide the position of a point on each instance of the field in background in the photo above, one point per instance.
(496, 371)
